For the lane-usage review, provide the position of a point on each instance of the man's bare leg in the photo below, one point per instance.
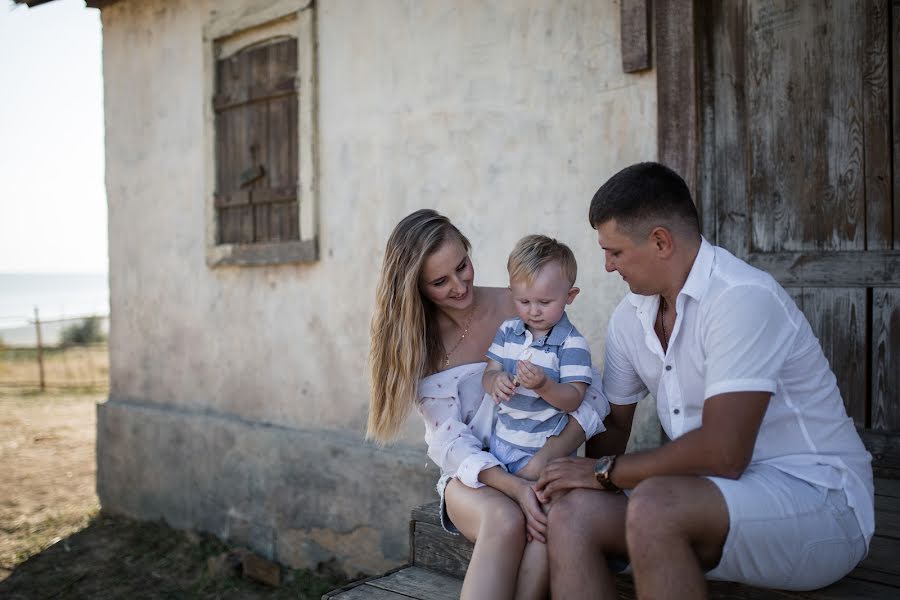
(585, 526)
(497, 526)
(676, 527)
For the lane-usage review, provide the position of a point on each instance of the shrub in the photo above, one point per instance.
(80, 334)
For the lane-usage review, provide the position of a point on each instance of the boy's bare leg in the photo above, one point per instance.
(585, 526)
(497, 526)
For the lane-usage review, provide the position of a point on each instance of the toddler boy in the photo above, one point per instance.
(539, 365)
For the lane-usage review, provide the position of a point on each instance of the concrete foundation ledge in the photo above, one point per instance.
(299, 497)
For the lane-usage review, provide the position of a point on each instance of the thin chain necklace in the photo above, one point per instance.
(662, 322)
(462, 337)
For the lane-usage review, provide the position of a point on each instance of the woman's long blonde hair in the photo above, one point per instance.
(405, 341)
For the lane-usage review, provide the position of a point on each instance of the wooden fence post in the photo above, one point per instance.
(40, 348)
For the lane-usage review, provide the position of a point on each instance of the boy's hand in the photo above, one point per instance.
(530, 375)
(502, 388)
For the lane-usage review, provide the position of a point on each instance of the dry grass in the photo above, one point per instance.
(83, 368)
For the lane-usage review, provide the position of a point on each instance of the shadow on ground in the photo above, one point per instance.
(115, 557)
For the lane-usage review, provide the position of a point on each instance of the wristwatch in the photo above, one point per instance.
(603, 470)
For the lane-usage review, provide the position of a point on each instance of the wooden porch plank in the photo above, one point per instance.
(421, 584)
(881, 565)
(436, 549)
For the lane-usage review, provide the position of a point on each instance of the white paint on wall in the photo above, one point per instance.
(504, 115)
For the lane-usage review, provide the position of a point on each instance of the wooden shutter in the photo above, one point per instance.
(796, 172)
(256, 144)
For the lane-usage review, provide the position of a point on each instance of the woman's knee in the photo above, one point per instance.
(503, 518)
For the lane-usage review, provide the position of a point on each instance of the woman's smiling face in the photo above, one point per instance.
(447, 275)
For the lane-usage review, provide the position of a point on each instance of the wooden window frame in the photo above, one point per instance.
(224, 32)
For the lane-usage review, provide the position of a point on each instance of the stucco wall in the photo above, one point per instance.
(504, 115)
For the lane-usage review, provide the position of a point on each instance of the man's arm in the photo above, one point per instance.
(722, 446)
(618, 430)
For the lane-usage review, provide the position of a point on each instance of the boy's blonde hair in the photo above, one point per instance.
(532, 252)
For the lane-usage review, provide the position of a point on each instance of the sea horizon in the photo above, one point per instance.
(56, 295)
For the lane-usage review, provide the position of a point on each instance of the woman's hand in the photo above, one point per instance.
(535, 519)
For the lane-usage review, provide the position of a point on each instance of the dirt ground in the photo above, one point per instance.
(55, 541)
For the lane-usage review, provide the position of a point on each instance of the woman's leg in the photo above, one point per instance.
(534, 573)
(497, 526)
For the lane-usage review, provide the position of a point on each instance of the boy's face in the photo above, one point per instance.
(541, 303)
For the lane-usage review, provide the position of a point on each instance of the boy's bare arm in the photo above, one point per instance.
(566, 397)
(496, 382)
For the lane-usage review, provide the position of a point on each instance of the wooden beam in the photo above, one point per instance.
(839, 269)
(678, 118)
(635, 33)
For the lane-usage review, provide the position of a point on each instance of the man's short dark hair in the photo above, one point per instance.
(644, 196)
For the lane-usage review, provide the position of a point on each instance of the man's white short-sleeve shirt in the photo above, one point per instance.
(737, 330)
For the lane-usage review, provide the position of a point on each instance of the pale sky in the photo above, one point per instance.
(52, 195)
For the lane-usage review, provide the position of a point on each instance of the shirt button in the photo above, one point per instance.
(668, 367)
(676, 411)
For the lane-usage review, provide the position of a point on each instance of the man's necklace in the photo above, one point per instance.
(662, 322)
(461, 338)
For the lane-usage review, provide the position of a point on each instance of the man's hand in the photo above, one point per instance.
(529, 375)
(502, 388)
(564, 474)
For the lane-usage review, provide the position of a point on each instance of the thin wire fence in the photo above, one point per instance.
(56, 354)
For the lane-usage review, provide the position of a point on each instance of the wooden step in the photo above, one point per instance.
(401, 584)
(431, 547)
(438, 562)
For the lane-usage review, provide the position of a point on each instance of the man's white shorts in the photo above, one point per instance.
(786, 533)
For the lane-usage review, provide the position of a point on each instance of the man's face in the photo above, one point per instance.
(635, 261)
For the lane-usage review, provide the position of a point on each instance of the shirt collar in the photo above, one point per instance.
(558, 333)
(698, 279)
(694, 286)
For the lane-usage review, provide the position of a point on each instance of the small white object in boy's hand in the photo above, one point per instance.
(526, 355)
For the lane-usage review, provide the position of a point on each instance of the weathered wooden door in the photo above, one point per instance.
(795, 166)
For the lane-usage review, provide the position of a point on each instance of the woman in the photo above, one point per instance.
(430, 331)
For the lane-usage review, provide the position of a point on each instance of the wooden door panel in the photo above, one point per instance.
(805, 117)
(838, 317)
(797, 175)
(886, 359)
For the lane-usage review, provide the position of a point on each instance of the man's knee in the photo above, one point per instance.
(567, 512)
(652, 512)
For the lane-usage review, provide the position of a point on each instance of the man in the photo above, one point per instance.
(765, 481)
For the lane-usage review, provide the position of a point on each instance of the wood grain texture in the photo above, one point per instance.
(421, 584)
(885, 359)
(838, 318)
(877, 133)
(677, 88)
(438, 550)
(895, 110)
(805, 125)
(256, 132)
(885, 450)
(724, 164)
(635, 34)
(839, 269)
